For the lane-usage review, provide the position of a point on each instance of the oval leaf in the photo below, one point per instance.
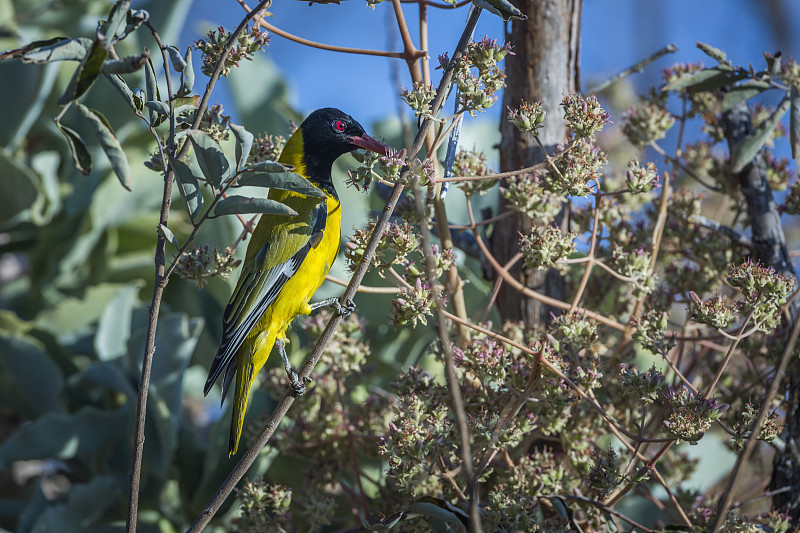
(57, 49)
(210, 157)
(270, 166)
(85, 74)
(244, 141)
(159, 107)
(109, 142)
(151, 90)
(80, 155)
(125, 65)
(122, 88)
(746, 150)
(113, 24)
(742, 93)
(233, 205)
(187, 75)
(286, 181)
(176, 58)
(707, 79)
(188, 187)
(167, 233)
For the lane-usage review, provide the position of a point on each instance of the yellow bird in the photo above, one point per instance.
(286, 261)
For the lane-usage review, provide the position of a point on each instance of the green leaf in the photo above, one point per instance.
(133, 19)
(187, 75)
(81, 434)
(17, 187)
(210, 157)
(125, 65)
(714, 53)
(57, 49)
(286, 181)
(794, 123)
(241, 204)
(158, 106)
(36, 378)
(85, 74)
(746, 150)
(122, 88)
(707, 79)
(174, 53)
(109, 143)
(151, 90)
(167, 233)
(188, 187)
(244, 141)
(440, 514)
(114, 329)
(109, 29)
(80, 155)
(743, 92)
(270, 166)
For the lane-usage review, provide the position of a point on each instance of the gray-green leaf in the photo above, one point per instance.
(57, 49)
(746, 150)
(287, 181)
(244, 141)
(743, 92)
(80, 155)
(109, 143)
(167, 233)
(91, 65)
(210, 157)
(188, 187)
(187, 75)
(233, 205)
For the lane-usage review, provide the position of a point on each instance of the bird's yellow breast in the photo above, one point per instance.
(297, 292)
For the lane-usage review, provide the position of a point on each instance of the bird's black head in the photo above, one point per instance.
(328, 133)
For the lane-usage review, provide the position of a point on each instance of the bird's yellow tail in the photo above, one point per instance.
(245, 375)
(255, 352)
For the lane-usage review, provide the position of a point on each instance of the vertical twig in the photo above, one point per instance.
(160, 280)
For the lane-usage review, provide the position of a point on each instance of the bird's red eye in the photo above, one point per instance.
(339, 125)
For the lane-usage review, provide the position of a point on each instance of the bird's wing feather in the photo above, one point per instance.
(260, 282)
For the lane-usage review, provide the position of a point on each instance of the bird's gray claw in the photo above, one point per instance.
(298, 387)
(345, 307)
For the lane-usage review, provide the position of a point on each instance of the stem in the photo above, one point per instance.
(450, 367)
(159, 282)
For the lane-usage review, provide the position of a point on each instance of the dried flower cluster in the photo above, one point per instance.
(246, 46)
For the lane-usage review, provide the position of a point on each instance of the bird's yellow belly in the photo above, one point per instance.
(293, 300)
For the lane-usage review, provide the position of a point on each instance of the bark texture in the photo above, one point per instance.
(544, 68)
(769, 246)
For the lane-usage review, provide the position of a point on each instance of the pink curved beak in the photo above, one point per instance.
(368, 143)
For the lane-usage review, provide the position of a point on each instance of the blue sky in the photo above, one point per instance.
(615, 34)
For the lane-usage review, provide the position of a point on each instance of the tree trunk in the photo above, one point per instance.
(544, 68)
(769, 247)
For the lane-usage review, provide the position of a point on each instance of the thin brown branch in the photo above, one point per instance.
(322, 46)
